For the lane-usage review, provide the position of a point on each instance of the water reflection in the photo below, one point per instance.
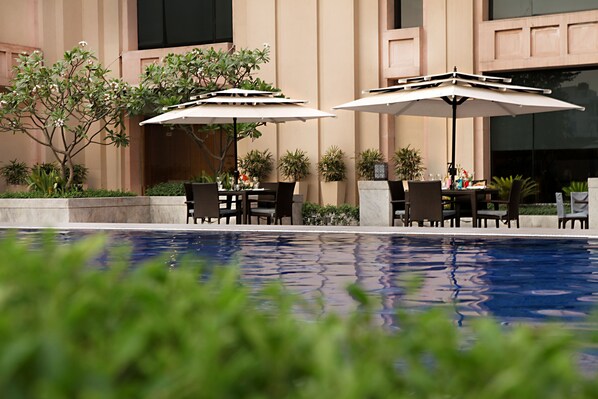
(514, 280)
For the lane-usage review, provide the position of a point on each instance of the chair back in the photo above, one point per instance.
(284, 199)
(206, 200)
(189, 200)
(270, 198)
(579, 202)
(397, 193)
(560, 205)
(425, 201)
(514, 199)
(188, 191)
(188, 196)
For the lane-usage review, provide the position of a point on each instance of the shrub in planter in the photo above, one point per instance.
(15, 173)
(45, 181)
(575, 187)
(366, 161)
(257, 164)
(408, 163)
(294, 166)
(503, 185)
(79, 172)
(166, 189)
(332, 165)
(330, 215)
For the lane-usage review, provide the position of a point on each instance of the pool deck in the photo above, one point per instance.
(405, 231)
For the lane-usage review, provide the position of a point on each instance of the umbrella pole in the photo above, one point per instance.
(452, 168)
(236, 169)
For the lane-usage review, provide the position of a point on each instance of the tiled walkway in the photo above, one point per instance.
(408, 231)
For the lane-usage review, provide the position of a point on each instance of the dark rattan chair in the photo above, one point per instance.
(579, 202)
(425, 204)
(503, 215)
(207, 204)
(464, 202)
(188, 200)
(397, 201)
(564, 217)
(283, 205)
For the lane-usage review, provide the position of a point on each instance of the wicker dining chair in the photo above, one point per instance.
(283, 205)
(425, 204)
(511, 212)
(207, 204)
(189, 200)
(564, 217)
(397, 201)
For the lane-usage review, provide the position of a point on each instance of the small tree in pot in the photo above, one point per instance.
(366, 161)
(333, 171)
(294, 166)
(408, 163)
(15, 174)
(257, 164)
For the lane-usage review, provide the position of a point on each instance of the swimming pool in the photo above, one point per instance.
(512, 279)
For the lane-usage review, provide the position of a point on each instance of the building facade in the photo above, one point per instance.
(328, 52)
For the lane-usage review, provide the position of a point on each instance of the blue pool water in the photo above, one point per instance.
(512, 279)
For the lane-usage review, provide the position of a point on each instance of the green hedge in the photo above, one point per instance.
(330, 215)
(91, 193)
(68, 330)
(166, 189)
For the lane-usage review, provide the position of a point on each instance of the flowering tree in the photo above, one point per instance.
(66, 106)
(181, 76)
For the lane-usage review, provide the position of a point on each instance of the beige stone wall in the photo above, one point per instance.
(325, 52)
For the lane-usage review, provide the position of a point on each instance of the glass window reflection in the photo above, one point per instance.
(553, 148)
(501, 9)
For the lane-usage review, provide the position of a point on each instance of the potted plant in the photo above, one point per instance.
(333, 171)
(374, 195)
(294, 166)
(15, 174)
(257, 164)
(408, 163)
(366, 161)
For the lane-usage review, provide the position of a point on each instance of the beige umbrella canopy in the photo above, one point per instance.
(457, 95)
(238, 106)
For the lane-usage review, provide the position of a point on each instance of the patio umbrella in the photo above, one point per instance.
(457, 95)
(237, 106)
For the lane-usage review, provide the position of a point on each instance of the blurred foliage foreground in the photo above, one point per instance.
(68, 330)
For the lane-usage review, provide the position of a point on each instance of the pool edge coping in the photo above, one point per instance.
(382, 230)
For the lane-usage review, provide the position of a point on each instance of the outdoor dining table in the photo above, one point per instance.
(473, 195)
(244, 195)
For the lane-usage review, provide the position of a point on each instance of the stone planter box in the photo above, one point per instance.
(53, 211)
(374, 203)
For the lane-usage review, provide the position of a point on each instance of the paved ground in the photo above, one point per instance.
(408, 231)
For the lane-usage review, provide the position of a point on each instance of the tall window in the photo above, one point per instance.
(170, 23)
(408, 13)
(500, 9)
(553, 148)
